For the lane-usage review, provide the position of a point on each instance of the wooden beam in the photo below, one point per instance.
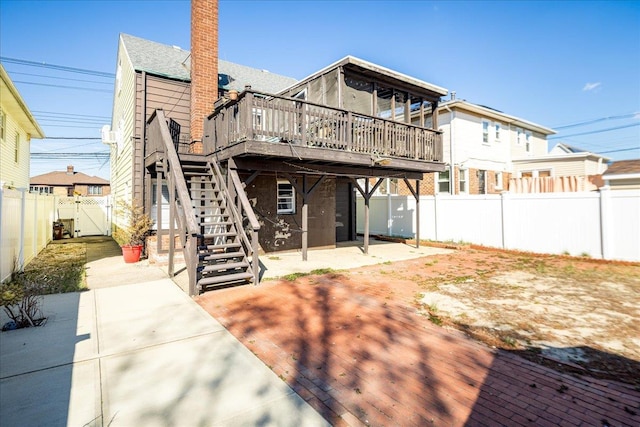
(305, 219)
(418, 214)
(172, 227)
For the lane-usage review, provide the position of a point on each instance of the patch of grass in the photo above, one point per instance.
(294, 276)
(386, 263)
(275, 258)
(509, 341)
(433, 307)
(435, 319)
(59, 268)
(585, 255)
(321, 271)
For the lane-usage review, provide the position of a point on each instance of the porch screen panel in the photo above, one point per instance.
(358, 95)
(331, 89)
(315, 91)
(383, 109)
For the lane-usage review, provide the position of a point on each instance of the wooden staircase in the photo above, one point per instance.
(222, 255)
(209, 212)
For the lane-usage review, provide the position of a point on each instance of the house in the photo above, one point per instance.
(481, 147)
(272, 168)
(563, 161)
(623, 175)
(152, 76)
(17, 127)
(69, 183)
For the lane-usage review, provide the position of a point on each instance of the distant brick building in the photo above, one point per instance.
(69, 183)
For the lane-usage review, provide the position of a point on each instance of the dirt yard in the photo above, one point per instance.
(573, 314)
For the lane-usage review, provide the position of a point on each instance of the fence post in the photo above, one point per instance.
(605, 222)
(23, 212)
(503, 202)
(36, 225)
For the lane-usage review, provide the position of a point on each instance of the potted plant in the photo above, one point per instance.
(131, 236)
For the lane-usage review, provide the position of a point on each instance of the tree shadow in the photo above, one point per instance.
(348, 351)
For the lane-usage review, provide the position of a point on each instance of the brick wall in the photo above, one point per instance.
(204, 65)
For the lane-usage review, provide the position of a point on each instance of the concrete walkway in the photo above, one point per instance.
(134, 350)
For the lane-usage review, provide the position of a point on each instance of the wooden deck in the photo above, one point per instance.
(274, 126)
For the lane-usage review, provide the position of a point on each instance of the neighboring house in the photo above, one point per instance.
(562, 161)
(17, 127)
(623, 175)
(69, 183)
(480, 145)
(274, 167)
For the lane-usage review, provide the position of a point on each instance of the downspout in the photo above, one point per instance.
(452, 169)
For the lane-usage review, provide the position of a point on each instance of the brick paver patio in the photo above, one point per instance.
(360, 354)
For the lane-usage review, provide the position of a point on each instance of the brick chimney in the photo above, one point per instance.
(70, 170)
(204, 66)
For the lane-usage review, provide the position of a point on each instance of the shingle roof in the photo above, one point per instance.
(624, 167)
(61, 178)
(175, 63)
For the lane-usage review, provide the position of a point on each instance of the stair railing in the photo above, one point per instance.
(159, 134)
(240, 210)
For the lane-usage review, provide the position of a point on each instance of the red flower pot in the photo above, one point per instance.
(131, 253)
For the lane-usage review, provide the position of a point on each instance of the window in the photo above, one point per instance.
(498, 185)
(519, 136)
(2, 124)
(286, 198)
(442, 180)
(485, 132)
(462, 182)
(17, 148)
(41, 189)
(498, 129)
(95, 190)
(527, 145)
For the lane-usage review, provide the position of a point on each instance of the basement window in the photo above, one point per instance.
(286, 198)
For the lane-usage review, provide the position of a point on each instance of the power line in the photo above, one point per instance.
(79, 156)
(595, 131)
(72, 137)
(62, 86)
(621, 149)
(61, 78)
(601, 119)
(67, 114)
(56, 67)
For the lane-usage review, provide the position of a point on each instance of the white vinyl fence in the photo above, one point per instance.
(26, 226)
(601, 224)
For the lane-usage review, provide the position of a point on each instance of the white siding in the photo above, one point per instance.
(123, 122)
(11, 173)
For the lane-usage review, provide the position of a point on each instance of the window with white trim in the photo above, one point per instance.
(463, 181)
(16, 154)
(2, 124)
(498, 128)
(95, 190)
(442, 181)
(527, 143)
(485, 131)
(519, 136)
(498, 185)
(41, 189)
(286, 198)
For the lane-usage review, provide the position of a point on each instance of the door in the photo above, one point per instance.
(90, 216)
(345, 211)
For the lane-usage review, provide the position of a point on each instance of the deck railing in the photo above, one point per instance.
(256, 116)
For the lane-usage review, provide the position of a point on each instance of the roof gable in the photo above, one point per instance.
(62, 178)
(14, 105)
(175, 63)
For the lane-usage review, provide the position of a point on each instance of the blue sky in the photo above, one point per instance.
(553, 63)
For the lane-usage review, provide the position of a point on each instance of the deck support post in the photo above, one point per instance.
(416, 195)
(306, 194)
(366, 193)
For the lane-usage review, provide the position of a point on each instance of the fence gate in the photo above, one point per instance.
(85, 216)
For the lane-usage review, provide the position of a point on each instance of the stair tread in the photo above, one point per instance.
(224, 266)
(225, 233)
(221, 246)
(225, 278)
(222, 255)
